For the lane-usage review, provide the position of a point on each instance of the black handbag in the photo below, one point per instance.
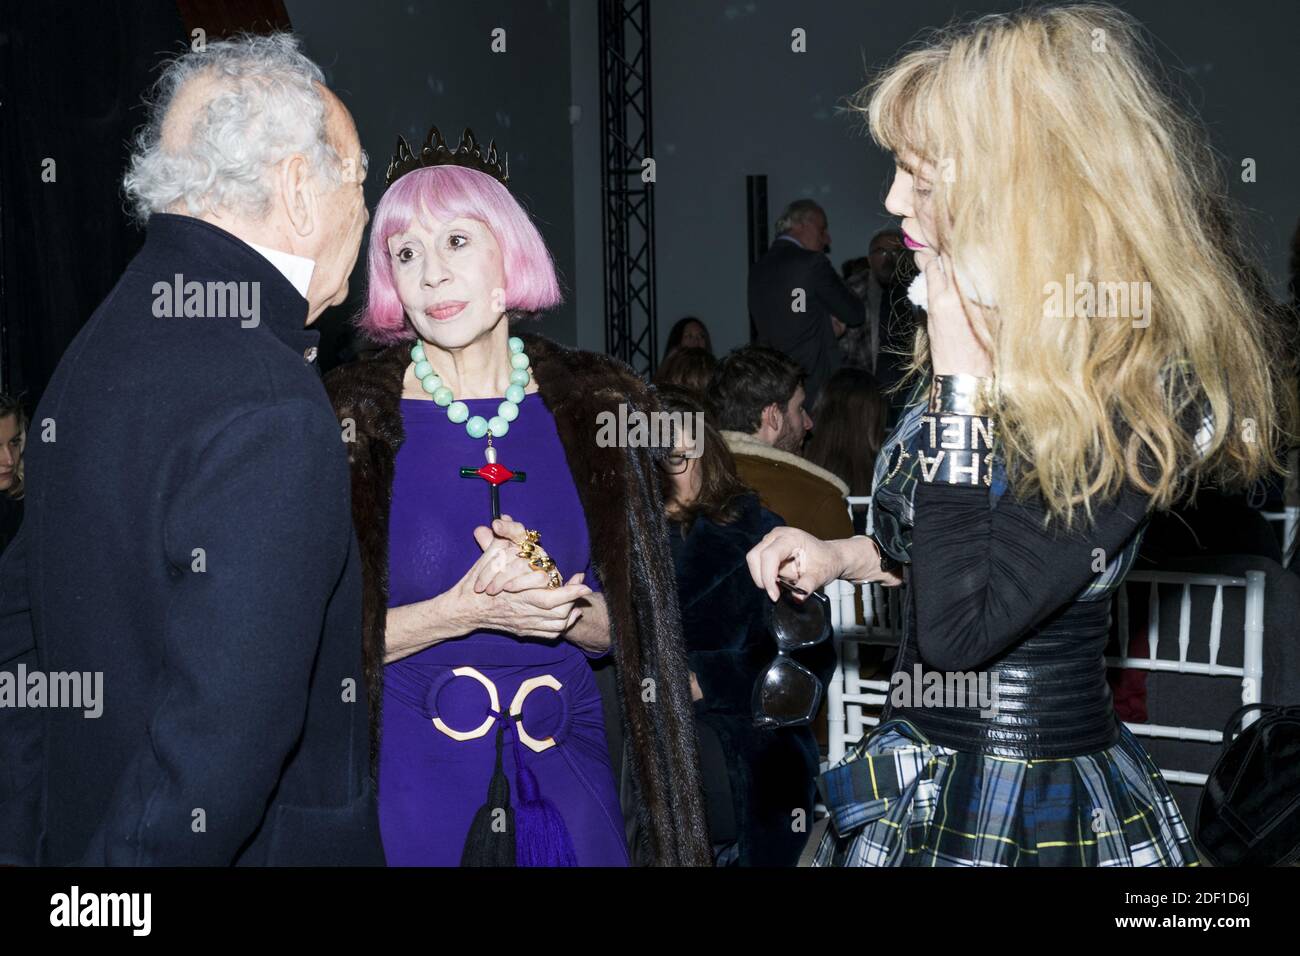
(1249, 813)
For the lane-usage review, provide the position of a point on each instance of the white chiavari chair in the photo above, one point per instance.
(1250, 674)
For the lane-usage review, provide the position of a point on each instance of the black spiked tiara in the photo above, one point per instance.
(434, 152)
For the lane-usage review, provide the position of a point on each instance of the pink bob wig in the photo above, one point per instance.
(449, 192)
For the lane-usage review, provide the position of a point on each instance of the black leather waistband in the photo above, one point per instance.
(1049, 692)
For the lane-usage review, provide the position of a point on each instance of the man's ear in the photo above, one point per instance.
(771, 417)
(294, 183)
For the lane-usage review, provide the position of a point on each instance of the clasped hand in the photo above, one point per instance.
(503, 593)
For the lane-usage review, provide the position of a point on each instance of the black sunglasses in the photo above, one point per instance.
(787, 694)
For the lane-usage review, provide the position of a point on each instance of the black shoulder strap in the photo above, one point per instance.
(1240, 713)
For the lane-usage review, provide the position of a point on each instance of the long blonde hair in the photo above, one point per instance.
(1058, 154)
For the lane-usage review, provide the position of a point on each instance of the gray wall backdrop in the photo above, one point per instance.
(402, 66)
(731, 99)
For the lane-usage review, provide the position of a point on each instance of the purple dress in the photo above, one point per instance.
(430, 783)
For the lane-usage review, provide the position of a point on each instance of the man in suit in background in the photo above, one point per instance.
(188, 547)
(883, 346)
(795, 295)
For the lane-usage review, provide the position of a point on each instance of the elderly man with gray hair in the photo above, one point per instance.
(188, 542)
(796, 297)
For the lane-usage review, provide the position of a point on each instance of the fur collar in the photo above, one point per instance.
(741, 444)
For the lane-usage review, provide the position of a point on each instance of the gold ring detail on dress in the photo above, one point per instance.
(516, 709)
(484, 727)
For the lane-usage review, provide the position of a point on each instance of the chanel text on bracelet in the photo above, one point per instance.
(956, 468)
(963, 446)
(959, 432)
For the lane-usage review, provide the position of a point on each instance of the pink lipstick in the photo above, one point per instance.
(444, 310)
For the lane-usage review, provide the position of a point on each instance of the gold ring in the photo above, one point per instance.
(531, 549)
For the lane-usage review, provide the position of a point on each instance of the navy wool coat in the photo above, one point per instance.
(188, 536)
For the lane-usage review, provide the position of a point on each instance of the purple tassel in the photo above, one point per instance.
(541, 838)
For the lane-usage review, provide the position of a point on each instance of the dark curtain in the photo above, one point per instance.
(72, 78)
(73, 75)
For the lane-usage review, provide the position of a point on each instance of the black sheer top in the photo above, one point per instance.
(1000, 610)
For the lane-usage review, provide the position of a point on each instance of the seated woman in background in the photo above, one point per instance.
(688, 333)
(690, 367)
(849, 429)
(714, 519)
(13, 438)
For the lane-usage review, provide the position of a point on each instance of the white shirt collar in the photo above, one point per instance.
(788, 238)
(297, 269)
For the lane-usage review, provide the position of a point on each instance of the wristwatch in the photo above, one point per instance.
(887, 563)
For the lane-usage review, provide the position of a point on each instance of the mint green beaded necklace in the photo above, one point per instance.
(476, 425)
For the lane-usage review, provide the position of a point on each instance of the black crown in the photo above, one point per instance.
(435, 153)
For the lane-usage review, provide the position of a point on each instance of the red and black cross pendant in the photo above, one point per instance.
(495, 475)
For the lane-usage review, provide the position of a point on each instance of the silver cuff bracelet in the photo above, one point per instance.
(962, 395)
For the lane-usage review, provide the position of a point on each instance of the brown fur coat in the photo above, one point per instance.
(629, 548)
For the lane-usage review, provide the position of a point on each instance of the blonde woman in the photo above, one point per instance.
(1037, 157)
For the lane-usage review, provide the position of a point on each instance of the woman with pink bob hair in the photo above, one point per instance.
(446, 193)
(518, 582)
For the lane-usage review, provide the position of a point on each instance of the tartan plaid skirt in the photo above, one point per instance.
(898, 800)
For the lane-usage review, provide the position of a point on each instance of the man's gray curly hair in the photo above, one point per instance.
(265, 105)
